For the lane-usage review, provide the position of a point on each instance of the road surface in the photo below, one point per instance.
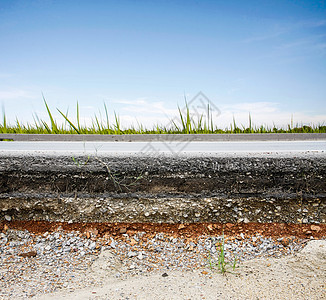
(165, 147)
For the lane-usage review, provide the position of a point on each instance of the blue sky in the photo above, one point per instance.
(141, 57)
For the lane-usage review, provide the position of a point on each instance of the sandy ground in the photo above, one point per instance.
(302, 276)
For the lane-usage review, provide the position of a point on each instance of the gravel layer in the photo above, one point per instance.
(35, 264)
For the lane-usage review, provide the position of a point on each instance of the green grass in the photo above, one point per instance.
(222, 265)
(185, 124)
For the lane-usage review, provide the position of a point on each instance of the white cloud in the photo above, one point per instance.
(264, 37)
(252, 107)
(16, 94)
(312, 23)
(313, 42)
(142, 106)
(131, 102)
(6, 75)
(262, 113)
(285, 29)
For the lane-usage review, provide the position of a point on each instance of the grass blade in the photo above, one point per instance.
(53, 124)
(4, 124)
(117, 123)
(47, 128)
(78, 123)
(107, 117)
(70, 123)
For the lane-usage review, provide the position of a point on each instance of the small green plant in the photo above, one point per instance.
(80, 164)
(118, 184)
(222, 264)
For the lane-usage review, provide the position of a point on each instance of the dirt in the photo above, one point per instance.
(187, 230)
(301, 276)
(294, 277)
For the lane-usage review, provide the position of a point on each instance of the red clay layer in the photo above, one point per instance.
(187, 230)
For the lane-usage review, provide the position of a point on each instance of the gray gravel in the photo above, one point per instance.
(31, 265)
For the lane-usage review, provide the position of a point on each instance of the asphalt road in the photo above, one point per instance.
(166, 147)
(165, 137)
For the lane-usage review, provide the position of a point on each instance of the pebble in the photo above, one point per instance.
(35, 264)
(132, 254)
(92, 246)
(7, 218)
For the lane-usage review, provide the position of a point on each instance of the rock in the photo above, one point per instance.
(113, 244)
(123, 230)
(80, 244)
(7, 218)
(132, 242)
(91, 232)
(92, 246)
(165, 275)
(285, 242)
(47, 248)
(136, 238)
(315, 228)
(181, 226)
(269, 246)
(28, 254)
(210, 227)
(132, 254)
(158, 249)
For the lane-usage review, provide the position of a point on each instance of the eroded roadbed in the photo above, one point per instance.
(239, 188)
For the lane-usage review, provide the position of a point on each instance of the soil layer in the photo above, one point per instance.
(185, 230)
(164, 189)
